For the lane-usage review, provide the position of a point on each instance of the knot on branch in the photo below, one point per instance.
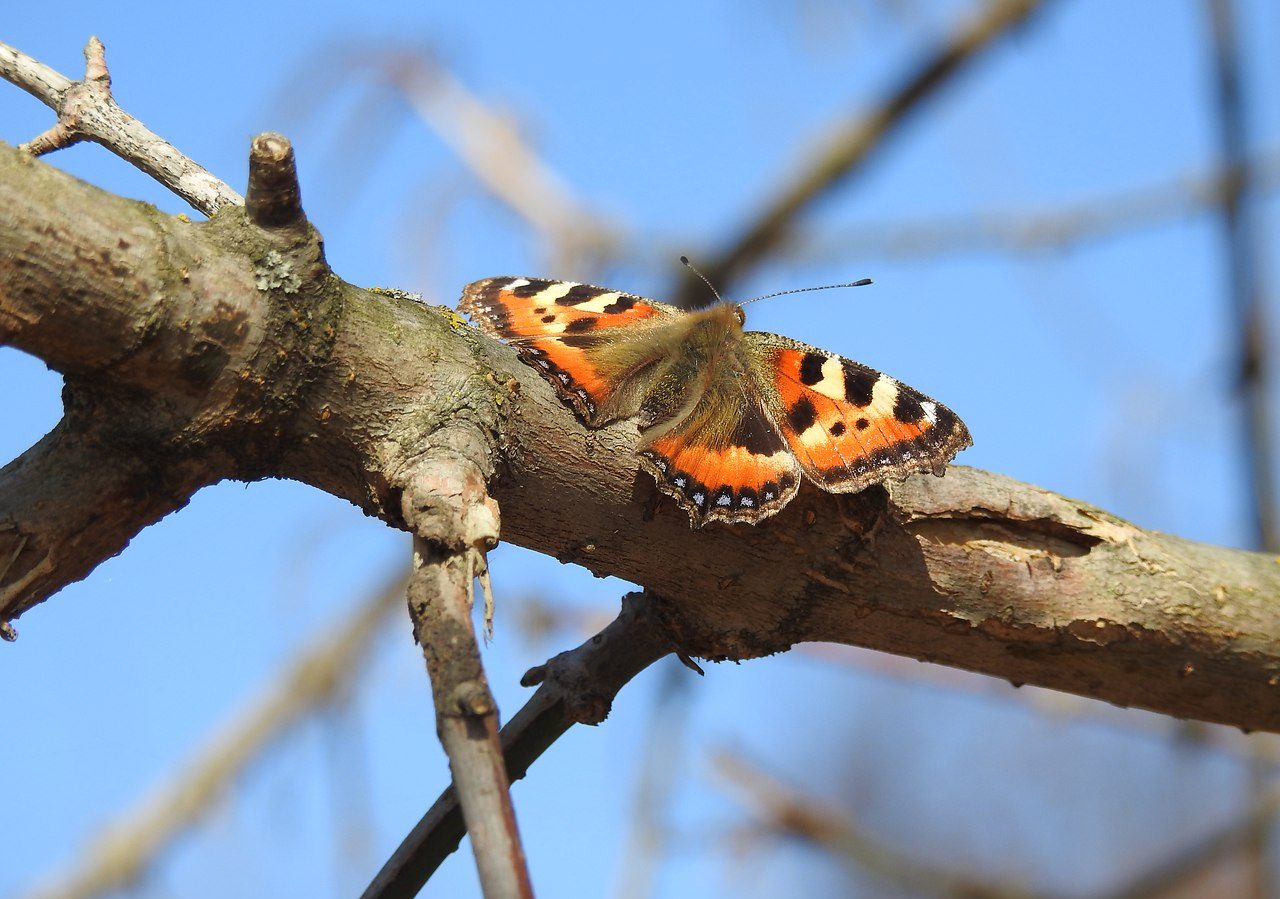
(79, 102)
(447, 504)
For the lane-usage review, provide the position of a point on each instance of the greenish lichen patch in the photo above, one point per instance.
(275, 272)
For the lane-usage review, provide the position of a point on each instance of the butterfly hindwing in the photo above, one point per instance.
(725, 460)
(848, 425)
(562, 328)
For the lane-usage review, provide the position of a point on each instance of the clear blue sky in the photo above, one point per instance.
(1102, 372)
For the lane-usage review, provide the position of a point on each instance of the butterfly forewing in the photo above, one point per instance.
(849, 425)
(564, 330)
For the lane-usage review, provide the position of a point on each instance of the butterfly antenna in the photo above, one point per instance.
(861, 282)
(684, 260)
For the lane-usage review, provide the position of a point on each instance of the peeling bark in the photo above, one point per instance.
(238, 354)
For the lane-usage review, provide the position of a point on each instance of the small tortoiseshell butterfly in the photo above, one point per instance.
(730, 419)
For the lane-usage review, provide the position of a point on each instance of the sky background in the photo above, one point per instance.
(1102, 371)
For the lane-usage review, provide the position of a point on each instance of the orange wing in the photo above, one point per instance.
(725, 460)
(555, 324)
(851, 426)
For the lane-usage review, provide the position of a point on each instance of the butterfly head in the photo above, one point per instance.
(737, 307)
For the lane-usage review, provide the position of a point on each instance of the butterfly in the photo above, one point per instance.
(730, 420)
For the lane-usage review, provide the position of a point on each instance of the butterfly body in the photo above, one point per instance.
(730, 419)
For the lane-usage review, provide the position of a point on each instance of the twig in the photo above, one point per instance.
(853, 143)
(274, 197)
(87, 111)
(455, 523)
(790, 812)
(1244, 286)
(127, 848)
(577, 686)
(1259, 746)
(1023, 231)
(1160, 879)
(489, 145)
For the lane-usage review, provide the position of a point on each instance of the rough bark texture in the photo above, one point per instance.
(202, 352)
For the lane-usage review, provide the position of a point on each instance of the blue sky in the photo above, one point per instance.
(1102, 371)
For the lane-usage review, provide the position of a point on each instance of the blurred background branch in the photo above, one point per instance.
(788, 812)
(121, 855)
(851, 144)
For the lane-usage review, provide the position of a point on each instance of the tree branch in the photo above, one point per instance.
(1030, 231)
(491, 148)
(1244, 286)
(455, 523)
(87, 111)
(809, 818)
(577, 686)
(973, 570)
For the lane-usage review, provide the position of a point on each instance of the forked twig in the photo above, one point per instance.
(87, 111)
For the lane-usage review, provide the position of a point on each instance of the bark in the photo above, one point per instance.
(220, 350)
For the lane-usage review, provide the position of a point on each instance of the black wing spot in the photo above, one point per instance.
(755, 433)
(579, 293)
(859, 382)
(580, 325)
(861, 424)
(811, 368)
(907, 408)
(837, 429)
(802, 415)
(548, 319)
(533, 288)
(541, 310)
(621, 304)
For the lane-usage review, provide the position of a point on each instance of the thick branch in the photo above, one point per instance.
(69, 503)
(181, 359)
(973, 570)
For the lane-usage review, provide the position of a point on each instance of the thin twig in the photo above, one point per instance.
(854, 142)
(1259, 746)
(491, 147)
(125, 850)
(1180, 865)
(87, 111)
(809, 818)
(1244, 285)
(455, 523)
(577, 686)
(1029, 231)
